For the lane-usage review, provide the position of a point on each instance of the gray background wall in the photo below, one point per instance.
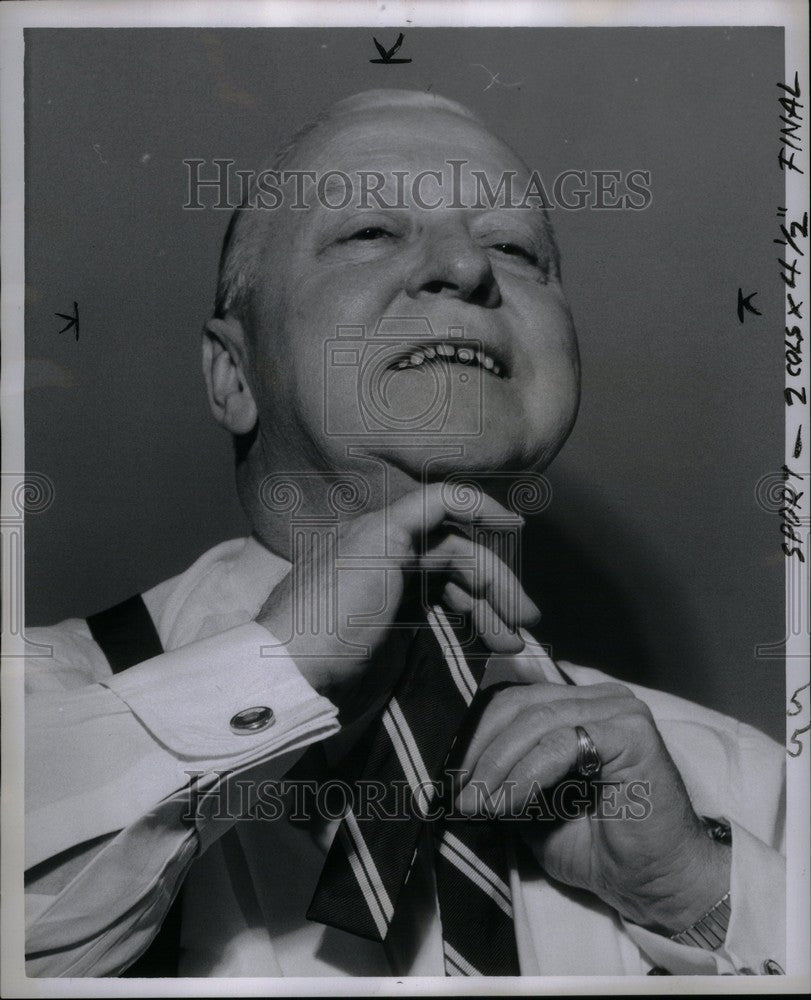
(653, 560)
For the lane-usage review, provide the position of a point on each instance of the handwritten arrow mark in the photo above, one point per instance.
(73, 321)
(387, 54)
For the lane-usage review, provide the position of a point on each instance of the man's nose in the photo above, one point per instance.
(453, 265)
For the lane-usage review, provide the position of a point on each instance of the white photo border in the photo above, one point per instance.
(14, 18)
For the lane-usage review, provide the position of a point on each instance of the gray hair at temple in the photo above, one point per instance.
(248, 228)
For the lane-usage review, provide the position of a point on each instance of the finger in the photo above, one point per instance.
(493, 632)
(528, 730)
(483, 574)
(422, 511)
(543, 766)
(556, 753)
(506, 706)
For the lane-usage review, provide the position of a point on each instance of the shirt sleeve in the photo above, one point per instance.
(756, 936)
(110, 763)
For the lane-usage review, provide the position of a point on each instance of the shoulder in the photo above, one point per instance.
(673, 712)
(65, 656)
(665, 707)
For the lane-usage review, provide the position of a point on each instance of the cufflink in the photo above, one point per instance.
(252, 720)
(771, 968)
(717, 830)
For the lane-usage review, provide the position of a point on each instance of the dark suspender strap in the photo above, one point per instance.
(126, 635)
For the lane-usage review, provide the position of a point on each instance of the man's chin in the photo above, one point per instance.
(432, 458)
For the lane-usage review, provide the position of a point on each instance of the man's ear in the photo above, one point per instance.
(224, 364)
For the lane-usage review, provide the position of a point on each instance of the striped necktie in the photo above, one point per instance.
(373, 851)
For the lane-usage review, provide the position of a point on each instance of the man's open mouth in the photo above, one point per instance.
(447, 353)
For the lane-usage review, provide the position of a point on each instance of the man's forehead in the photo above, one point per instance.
(386, 138)
(375, 157)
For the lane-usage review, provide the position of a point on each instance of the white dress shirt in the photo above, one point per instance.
(108, 764)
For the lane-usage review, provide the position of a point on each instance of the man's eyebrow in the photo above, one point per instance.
(534, 220)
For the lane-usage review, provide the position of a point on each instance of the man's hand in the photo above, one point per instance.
(335, 609)
(661, 871)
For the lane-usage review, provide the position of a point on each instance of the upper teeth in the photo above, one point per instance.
(449, 352)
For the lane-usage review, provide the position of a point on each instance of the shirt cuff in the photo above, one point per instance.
(212, 680)
(101, 757)
(678, 959)
(755, 940)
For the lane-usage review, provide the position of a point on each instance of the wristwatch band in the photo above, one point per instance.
(710, 931)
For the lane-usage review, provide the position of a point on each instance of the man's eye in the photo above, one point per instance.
(369, 233)
(514, 250)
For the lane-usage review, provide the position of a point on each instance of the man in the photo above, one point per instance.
(268, 639)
